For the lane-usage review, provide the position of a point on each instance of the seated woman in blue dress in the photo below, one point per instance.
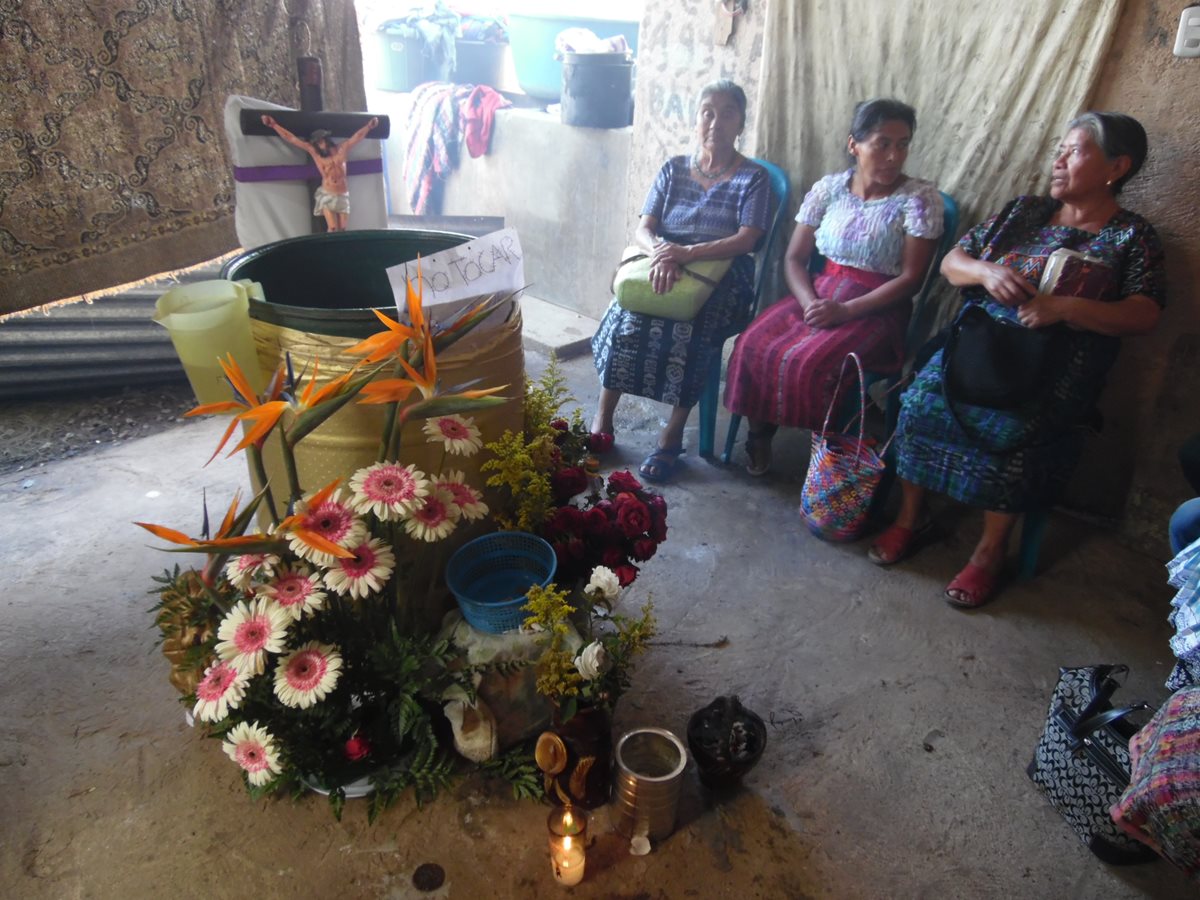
(713, 204)
(1012, 460)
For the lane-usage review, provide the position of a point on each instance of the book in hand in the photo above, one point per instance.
(1069, 273)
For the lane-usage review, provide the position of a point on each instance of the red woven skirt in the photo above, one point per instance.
(784, 371)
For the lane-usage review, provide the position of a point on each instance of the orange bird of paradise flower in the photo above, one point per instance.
(270, 407)
(391, 342)
(221, 543)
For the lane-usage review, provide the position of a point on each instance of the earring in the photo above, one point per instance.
(1109, 182)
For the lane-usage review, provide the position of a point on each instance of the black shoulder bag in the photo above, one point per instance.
(998, 364)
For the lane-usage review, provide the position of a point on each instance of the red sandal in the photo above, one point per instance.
(896, 543)
(975, 586)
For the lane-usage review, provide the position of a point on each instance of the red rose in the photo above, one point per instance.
(623, 481)
(633, 516)
(599, 442)
(566, 483)
(358, 747)
(626, 574)
(576, 548)
(657, 504)
(658, 530)
(612, 556)
(594, 521)
(567, 520)
(643, 549)
(559, 424)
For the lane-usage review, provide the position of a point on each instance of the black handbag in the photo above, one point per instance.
(999, 363)
(1082, 760)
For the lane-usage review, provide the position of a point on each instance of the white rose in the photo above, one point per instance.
(592, 661)
(604, 581)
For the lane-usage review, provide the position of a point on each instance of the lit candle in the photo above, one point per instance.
(568, 841)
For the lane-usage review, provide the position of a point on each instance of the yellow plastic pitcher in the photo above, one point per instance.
(206, 321)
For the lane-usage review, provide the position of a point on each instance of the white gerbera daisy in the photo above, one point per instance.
(435, 519)
(458, 434)
(241, 570)
(389, 490)
(307, 674)
(332, 520)
(220, 690)
(295, 590)
(249, 632)
(368, 570)
(253, 748)
(468, 500)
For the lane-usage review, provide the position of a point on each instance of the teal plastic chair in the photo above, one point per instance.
(712, 387)
(912, 339)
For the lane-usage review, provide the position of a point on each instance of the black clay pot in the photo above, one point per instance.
(726, 740)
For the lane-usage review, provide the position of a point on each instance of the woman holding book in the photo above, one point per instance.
(1008, 461)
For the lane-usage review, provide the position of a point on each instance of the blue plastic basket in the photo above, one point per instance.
(490, 575)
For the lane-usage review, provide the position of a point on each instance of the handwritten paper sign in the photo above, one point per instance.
(485, 265)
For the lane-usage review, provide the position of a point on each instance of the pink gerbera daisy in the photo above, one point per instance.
(241, 570)
(389, 490)
(333, 520)
(249, 632)
(368, 570)
(468, 500)
(458, 434)
(435, 519)
(307, 674)
(295, 590)
(220, 690)
(253, 748)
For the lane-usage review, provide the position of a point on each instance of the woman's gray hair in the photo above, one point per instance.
(727, 87)
(1116, 134)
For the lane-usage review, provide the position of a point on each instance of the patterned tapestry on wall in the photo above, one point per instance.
(113, 165)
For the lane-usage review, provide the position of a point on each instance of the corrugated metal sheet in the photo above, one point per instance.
(106, 343)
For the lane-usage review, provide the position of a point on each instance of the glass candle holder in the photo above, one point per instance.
(568, 844)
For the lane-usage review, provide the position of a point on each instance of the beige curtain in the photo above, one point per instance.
(113, 166)
(993, 85)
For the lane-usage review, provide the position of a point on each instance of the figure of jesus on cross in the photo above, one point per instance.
(332, 198)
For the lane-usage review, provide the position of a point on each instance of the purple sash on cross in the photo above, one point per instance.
(302, 173)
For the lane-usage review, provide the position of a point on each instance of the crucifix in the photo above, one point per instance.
(313, 131)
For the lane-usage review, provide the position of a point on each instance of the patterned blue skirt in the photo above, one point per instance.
(665, 360)
(933, 450)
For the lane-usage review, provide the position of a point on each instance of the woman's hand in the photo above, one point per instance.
(825, 314)
(668, 252)
(1040, 311)
(663, 276)
(1005, 284)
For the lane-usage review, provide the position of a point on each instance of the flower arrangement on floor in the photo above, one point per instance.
(554, 490)
(600, 670)
(293, 644)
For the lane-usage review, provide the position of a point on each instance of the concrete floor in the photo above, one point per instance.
(900, 728)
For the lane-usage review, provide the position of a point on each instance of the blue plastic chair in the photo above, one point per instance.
(912, 339)
(709, 400)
